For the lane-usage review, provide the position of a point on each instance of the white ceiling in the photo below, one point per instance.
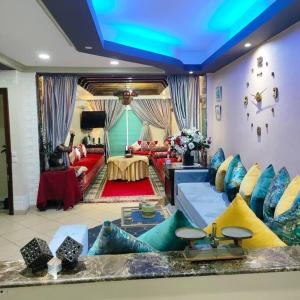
(26, 30)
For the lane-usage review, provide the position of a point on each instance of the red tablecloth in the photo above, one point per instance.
(59, 185)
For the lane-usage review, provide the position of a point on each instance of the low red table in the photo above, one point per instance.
(60, 186)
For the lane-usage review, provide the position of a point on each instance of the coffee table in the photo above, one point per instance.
(132, 217)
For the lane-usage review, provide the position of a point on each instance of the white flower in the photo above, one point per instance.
(191, 146)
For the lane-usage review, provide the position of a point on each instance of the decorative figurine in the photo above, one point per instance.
(56, 160)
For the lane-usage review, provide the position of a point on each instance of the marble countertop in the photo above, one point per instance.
(152, 265)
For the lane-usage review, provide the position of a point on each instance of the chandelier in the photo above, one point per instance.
(126, 96)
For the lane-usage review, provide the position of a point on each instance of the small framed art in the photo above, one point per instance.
(219, 93)
(218, 111)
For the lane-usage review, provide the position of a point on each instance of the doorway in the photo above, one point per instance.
(6, 185)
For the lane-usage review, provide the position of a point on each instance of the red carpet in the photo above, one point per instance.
(119, 188)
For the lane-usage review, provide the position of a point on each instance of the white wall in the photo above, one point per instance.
(24, 136)
(279, 144)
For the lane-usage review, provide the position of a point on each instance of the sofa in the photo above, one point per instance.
(93, 160)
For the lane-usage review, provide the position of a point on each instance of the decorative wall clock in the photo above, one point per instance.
(260, 97)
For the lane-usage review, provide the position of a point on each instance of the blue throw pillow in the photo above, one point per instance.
(277, 188)
(215, 163)
(260, 191)
(114, 240)
(162, 237)
(287, 225)
(234, 176)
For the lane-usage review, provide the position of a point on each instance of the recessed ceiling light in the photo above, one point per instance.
(191, 72)
(129, 78)
(247, 45)
(114, 62)
(88, 47)
(44, 56)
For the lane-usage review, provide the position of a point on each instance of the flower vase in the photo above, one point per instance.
(187, 159)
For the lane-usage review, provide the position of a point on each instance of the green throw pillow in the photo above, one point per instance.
(260, 191)
(277, 188)
(287, 225)
(234, 176)
(215, 163)
(162, 237)
(114, 240)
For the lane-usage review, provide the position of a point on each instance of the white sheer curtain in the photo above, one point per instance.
(156, 112)
(113, 109)
(146, 133)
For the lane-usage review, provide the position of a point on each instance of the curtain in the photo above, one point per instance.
(156, 112)
(57, 108)
(146, 133)
(113, 109)
(185, 99)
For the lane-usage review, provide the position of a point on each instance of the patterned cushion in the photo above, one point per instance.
(160, 154)
(221, 174)
(82, 150)
(77, 153)
(248, 184)
(215, 163)
(276, 190)
(260, 191)
(72, 156)
(162, 237)
(287, 225)
(234, 176)
(114, 240)
(145, 146)
(95, 150)
(287, 199)
(161, 148)
(239, 214)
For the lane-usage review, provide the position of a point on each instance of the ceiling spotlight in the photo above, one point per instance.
(247, 45)
(88, 47)
(114, 62)
(191, 72)
(44, 56)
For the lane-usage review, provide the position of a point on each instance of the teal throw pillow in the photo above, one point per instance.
(114, 240)
(287, 225)
(215, 163)
(276, 190)
(260, 191)
(234, 176)
(162, 237)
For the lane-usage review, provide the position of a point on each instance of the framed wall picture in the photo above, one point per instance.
(218, 111)
(219, 93)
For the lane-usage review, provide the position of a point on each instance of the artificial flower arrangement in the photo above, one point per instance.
(189, 140)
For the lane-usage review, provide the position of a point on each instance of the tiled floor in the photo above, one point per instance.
(16, 231)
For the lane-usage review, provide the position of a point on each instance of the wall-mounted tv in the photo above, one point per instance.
(92, 119)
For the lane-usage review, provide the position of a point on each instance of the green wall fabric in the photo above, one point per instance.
(117, 135)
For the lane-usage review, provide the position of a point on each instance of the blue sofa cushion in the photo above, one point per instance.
(200, 202)
(215, 163)
(260, 191)
(287, 225)
(234, 176)
(276, 190)
(114, 240)
(162, 237)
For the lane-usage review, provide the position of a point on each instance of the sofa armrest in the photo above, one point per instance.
(189, 175)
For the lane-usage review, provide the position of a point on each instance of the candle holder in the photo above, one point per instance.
(210, 247)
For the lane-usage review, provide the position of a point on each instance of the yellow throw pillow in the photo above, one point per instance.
(221, 174)
(249, 181)
(287, 199)
(238, 213)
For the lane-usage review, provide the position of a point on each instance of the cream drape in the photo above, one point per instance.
(157, 112)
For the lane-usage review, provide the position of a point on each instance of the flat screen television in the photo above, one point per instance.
(92, 119)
